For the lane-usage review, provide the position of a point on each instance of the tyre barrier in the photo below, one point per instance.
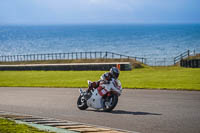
(124, 66)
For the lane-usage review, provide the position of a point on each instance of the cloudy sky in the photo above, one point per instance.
(98, 11)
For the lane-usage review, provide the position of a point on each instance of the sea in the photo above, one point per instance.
(141, 40)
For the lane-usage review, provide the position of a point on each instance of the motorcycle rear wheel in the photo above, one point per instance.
(82, 103)
(110, 102)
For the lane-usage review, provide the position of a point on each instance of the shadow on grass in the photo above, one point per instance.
(126, 112)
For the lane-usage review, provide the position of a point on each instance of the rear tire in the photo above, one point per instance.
(82, 103)
(110, 103)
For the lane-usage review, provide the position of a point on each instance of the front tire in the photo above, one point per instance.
(82, 103)
(110, 102)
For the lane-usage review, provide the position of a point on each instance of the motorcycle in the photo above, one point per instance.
(104, 97)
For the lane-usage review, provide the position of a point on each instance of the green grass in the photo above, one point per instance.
(8, 126)
(149, 77)
(163, 78)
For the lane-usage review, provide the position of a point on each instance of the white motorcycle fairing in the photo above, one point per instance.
(95, 101)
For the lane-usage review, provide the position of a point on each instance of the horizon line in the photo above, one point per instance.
(111, 23)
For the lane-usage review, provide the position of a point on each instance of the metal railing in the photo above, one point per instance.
(95, 55)
(68, 56)
(160, 61)
(181, 56)
(184, 55)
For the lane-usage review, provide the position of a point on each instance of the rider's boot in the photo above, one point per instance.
(91, 87)
(87, 94)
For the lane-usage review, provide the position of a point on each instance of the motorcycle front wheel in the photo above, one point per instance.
(110, 102)
(82, 103)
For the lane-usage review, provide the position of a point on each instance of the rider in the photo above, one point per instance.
(105, 78)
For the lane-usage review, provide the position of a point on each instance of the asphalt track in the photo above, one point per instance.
(145, 111)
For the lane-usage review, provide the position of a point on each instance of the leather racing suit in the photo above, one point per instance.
(105, 78)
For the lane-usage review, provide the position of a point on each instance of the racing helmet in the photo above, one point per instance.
(114, 72)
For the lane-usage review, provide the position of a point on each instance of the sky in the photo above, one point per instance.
(98, 11)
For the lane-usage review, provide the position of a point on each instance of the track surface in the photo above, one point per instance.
(146, 111)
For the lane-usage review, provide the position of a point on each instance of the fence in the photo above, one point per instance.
(68, 56)
(184, 55)
(159, 61)
(95, 55)
(170, 61)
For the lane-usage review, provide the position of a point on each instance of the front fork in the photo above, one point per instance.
(85, 94)
(81, 91)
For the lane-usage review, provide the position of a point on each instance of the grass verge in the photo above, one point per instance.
(148, 77)
(8, 126)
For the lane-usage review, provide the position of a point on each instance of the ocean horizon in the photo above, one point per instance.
(141, 40)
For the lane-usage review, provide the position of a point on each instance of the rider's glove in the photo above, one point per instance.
(106, 82)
